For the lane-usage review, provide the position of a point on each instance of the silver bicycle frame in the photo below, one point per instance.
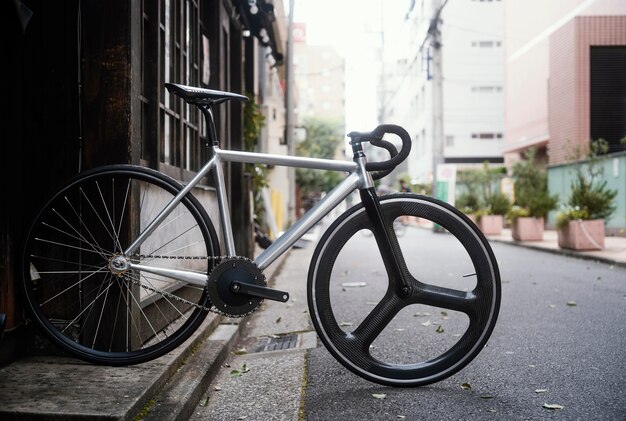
(357, 178)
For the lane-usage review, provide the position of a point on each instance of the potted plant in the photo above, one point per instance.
(490, 218)
(532, 200)
(580, 223)
(480, 200)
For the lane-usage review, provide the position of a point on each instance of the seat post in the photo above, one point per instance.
(210, 123)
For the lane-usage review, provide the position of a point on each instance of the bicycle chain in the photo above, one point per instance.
(180, 299)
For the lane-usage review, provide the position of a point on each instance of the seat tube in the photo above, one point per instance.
(220, 185)
(222, 200)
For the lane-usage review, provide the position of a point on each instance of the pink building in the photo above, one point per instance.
(564, 83)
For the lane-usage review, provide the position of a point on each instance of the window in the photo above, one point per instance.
(487, 135)
(606, 95)
(486, 89)
(174, 42)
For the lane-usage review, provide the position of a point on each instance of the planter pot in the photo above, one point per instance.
(527, 228)
(582, 235)
(491, 224)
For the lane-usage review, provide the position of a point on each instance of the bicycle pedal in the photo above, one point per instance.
(260, 291)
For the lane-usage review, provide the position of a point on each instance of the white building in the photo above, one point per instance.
(473, 74)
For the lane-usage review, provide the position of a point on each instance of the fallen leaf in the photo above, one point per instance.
(426, 323)
(217, 388)
(402, 417)
(439, 329)
(400, 330)
(279, 319)
(541, 390)
(240, 351)
(238, 373)
(466, 386)
(571, 303)
(552, 406)
(491, 410)
(379, 395)
(420, 314)
(345, 324)
(354, 284)
(486, 396)
(552, 305)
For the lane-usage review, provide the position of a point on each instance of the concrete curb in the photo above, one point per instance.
(183, 391)
(563, 252)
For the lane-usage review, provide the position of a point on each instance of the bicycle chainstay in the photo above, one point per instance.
(166, 294)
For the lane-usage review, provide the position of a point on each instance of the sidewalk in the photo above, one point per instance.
(614, 251)
(58, 387)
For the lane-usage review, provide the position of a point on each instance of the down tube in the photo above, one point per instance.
(308, 221)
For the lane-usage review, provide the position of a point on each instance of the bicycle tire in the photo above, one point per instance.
(76, 300)
(375, 331)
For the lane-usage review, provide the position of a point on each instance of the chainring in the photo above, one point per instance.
(225, 301)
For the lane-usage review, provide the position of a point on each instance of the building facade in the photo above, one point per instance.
(548, 59)
(565, 87)
(461, 43)
(87, 89)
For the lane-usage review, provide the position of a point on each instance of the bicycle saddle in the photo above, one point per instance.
(199, 96)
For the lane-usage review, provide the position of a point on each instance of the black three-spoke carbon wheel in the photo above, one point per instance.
(81, 288)
(380, 332)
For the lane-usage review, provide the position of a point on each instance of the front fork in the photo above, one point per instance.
(387, 242)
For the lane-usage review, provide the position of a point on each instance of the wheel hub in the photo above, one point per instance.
(225, 281)
(118, 265)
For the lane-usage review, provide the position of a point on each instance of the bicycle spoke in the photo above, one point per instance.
(447, 298)
(86, 306)
(376, 321)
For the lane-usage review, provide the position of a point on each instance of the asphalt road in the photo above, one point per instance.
(560, 339)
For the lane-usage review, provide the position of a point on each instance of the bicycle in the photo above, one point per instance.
(124, 263)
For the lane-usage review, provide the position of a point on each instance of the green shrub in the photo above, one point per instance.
(531, 187)
(467, 202)
(589, 196)
(517, 212)
(498, 204)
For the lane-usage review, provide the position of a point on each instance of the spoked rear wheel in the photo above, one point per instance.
(380, 332)
(109, 316)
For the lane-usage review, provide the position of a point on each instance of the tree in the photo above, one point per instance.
(323, 138)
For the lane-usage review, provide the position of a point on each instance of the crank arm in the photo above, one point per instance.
(259, 291)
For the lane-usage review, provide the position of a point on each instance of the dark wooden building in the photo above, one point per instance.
(85, 82)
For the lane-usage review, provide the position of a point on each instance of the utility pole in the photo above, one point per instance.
(289, 118)
(434, 34)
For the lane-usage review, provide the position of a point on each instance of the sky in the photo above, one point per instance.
(353, 27)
